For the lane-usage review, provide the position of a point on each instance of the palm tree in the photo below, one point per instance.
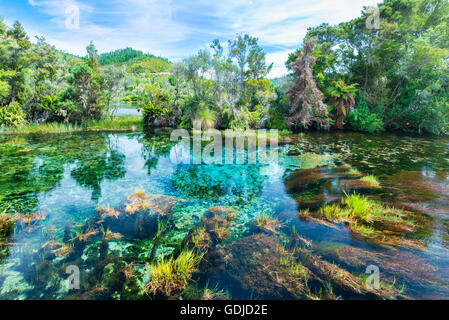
(342, 98)
(207, 118)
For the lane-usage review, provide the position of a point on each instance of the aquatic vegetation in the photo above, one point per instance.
(200, 238)
(213, 294)
(6, 224)
(360, 207)
(265, 222)
(161, 228)
(221, 231)
(311, 160)
(63, 250)
(371, 180)
(169, 277)
(109, 235)
(37, 181)
(83, 237)
(354, 172)
(120, 123)
(157, 203)
(30, 218)
(108, 212)
(331, 212)
(342, 282)
(194, 292)
(372, 220)
(140, 194)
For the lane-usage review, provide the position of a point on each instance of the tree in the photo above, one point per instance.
(306, 98)
(19, 59)
(401, 66)
(342, 98)
(84, 98)
(112, 77)
(250, 59)
(46, 81)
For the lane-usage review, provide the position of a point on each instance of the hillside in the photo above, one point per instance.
(135, 60)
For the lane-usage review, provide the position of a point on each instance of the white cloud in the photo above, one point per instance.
(176, 29)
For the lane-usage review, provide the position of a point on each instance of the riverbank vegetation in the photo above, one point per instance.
(354, 76)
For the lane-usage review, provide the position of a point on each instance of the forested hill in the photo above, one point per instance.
(135, 60)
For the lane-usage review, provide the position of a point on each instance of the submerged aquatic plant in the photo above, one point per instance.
(157, 203)
(160, 231)
(200, 238)
(371, 180)
(140, 194)
(221, 231)
(83, 237)
(63, 250)
(109, 235)
(6, 224)
(170, 277)
(108, 212)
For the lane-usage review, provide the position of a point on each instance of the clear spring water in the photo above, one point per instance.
(68, 176)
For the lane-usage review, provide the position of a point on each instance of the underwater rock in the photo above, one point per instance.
(140, 215)
(157, 204)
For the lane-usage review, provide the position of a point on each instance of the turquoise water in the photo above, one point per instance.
(65, 178)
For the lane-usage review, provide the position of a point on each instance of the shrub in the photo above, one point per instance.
(361, 118)
(11, 115)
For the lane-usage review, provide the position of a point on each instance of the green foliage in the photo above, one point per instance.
(119, 56)
(136, 61)
(155, 102)
(362, 119)
(148, 64)
(401, 67)
(11, 115)
(227, 90)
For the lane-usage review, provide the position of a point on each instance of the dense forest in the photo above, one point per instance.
(391, 77)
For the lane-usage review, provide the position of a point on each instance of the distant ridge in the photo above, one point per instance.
(135, 60)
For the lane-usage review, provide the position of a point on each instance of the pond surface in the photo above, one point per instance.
(68, 190)
(127, 112)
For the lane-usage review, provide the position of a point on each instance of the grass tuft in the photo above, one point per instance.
(170, 277)
(122, 123)
(371, 180)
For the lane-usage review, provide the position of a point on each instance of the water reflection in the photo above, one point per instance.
(67, 177)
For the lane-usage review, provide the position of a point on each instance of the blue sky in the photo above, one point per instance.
(176, 29)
